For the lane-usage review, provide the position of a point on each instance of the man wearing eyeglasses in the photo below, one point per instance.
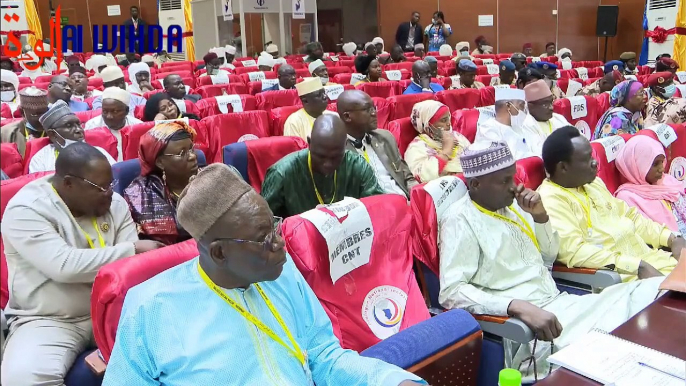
(63, 128)
(378, 147)
(60, 88)
(58, 231)
(240, 311)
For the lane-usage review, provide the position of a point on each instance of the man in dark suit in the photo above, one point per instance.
(173, 85)
(138, 29)
(409, 34)
(377, 146)
(286, 76)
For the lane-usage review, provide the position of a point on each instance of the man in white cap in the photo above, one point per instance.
(32, 62)
(9, 89)
(318, 69)
(419, 50)
(462, 49)
(445, 50)
(149, 60)
(497, 246)
(96, 63)
(314, 100)
(221, 55)
(229, 55)
(116, 114)
(265, 62)
(273, 50)
(113, 76)
(510, 125)
(139, 76)
(379, 44)
(63, 128)
(57, 232)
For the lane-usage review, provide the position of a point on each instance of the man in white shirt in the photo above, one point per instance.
(229, 55)
(115, 115)
(113, 76)
(63, 128)
(378, 147)
(496, 251)
(511, 125)
(57, 232)
(539, 100)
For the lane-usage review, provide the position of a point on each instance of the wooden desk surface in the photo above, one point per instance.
(659, 326)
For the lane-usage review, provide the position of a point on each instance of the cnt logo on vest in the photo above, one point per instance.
(127, 38)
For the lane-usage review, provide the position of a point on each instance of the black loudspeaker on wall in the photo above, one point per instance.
(606, 25)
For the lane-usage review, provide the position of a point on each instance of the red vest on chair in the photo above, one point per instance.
(371, 288)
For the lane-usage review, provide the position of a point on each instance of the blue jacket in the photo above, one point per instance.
(77, 106)
(413, 88)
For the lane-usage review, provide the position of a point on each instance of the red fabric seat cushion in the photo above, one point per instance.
(265, 152)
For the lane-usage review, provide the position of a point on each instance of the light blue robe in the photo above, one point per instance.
(174, 330)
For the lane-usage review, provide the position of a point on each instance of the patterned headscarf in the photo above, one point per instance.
(426, 113)
(155, 140)
(624, 92)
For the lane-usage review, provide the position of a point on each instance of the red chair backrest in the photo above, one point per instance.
(95, 82)
(102, 137)
(25, 80)
(207, 80)
(237, 127)
(378, 288)
(399, 66)
(530, 172)
(465, 122)
(114, 280)
(278, 117)
(342, 78)
(384, 109)
(85, 116)
(487, 96)
(465, 98)
(675, 152)
(181, 73)
(43, 79)
(5, 112)
(245, 70)
(209, 106)
(265, 152)
(404, 133)
(10, 160)
(214, 90)
(131, 138)
(607, 170)
(429, 202)
(267, 75)
(602, 103)
(589, 110)
(275, 99)
(333, 71)
(403, 104)
(32, 147)
(381, 89)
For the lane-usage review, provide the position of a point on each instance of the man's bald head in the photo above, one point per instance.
(284, 69)
(358, 112)
(421, 71)
(327, 144)
(59, 89)
(287, 76)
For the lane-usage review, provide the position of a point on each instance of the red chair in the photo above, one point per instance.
(585, 123)
(360, 289)
(95, 82)
(25, 80)
(85, 116)
(236, 127)
(603, 104)
(278, 117)
(607, 170)
(148, 94)
(188, 81)
(32, 147)
(404, 133)
(487, 96)
(465, 122)
(5, 112)
(407, 66)
(43, 79)
(592, 63)
(342, 78)
(485, 79)
(302, 73)
(181, 73)
(207, 80)
(103, 138)
(131, 137)
(567, 74)
(530, 172)
(402, 104)
(256, 87)
(595, 72)
(333, 71)
(275, 99)
(10, 160)
(384, 109)
(404, 75)
(464, 98)
(245, 78)
(209, 106)
(220, 89)
(115, 279)
(347, 63)
(381, 89)
(675, 152)
(265, 152)
(245, 70)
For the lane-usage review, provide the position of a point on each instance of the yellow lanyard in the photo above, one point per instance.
(364, 153)
(524, 225)
(26, 133)
(295, 351)
(550, 127)
(667, 205)
(335, 178)
(101, 240)
(437, 149)
(586, 207)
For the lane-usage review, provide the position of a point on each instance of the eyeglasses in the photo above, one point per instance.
(371, 109)
(183, 154)
(532, 359)
(107, 189)
(272, 242)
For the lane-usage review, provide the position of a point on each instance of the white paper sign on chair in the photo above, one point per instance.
(583, 73)
(486, 62)
(665, 133)
(455, 80)
(578, 107)
(535, 59)
(347, 229)
(269, 83)
(612, 145)
(256, 76)
(566, 64)
(681, 75)
(221, 78)
(354, 78)
(249, 63)
(573, 87)
(333, 92)
(492, 69)
(558, 74)
(234, 100)
(394, 75)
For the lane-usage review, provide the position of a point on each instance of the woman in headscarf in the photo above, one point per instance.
(435, 152)
(657, 195)
(369, 66)
(462, 49)
(167, 161)
(161, 106)
(33, 62)
(627, 100)
(564, 54)
(139, 76)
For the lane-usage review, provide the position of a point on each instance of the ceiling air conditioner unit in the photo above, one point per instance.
(171, 13)
(662, 13)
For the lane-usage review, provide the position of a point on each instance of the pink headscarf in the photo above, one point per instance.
(634, 161)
